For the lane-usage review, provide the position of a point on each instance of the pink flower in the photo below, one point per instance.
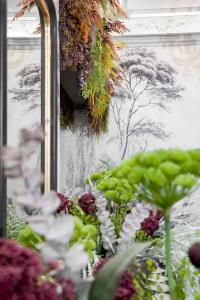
(87, 203)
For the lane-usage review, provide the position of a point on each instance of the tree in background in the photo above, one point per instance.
(28, 89)
(147, 82)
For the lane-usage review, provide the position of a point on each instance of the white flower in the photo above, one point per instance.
(40, 224)
(107, 228)
(132, 224)
(61, 230)
(76, 258)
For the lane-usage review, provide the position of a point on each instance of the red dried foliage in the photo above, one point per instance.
(119, 8)
(24, 5)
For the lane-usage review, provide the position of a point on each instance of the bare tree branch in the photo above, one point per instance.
(148, 82)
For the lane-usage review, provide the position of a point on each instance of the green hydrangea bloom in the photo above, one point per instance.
(185, 181)
(84, 234)
(161, 177)
(28, 238)
(169, 168)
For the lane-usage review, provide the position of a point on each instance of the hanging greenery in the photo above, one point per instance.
(88, 48)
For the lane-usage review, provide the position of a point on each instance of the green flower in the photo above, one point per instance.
(86, 235)
(160, 177)
(28, 238)
(155, 176)
(169, 168)
(186, 181)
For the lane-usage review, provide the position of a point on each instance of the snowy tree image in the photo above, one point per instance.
(148, 82)
(28, 89)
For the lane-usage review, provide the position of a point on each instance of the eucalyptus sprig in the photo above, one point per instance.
(57, 231)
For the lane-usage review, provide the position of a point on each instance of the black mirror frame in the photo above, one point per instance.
(3, 110)
(49, 98)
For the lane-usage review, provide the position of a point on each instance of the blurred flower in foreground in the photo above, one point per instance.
(194, 254)
(57, 231)
(21, 273)
(126, 289)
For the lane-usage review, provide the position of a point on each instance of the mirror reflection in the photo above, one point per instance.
(24, 76)
(155, 105)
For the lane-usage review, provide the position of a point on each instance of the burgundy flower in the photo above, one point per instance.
(68, 289)
(54, 265)
(126, 289)
(19, 271)
(87, 203)
(8, 277)
(65, 204)
(99, 266)
(194, 254)
(152, 223)
(157, 214)
(47, 291)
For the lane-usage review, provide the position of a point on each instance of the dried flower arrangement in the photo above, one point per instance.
(88, 48)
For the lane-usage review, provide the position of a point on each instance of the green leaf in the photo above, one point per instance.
(107, 280)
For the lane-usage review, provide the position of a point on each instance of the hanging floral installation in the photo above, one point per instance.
(88, 48)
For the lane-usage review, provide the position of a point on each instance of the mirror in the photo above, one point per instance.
(29, 91)
(24, 78)
(157, 108)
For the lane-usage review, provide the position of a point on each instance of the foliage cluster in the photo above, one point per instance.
(85, 234)
(15, 224)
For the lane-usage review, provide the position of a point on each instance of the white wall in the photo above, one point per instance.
(160, 4)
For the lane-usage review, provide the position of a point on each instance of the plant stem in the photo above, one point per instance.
(170, 276)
